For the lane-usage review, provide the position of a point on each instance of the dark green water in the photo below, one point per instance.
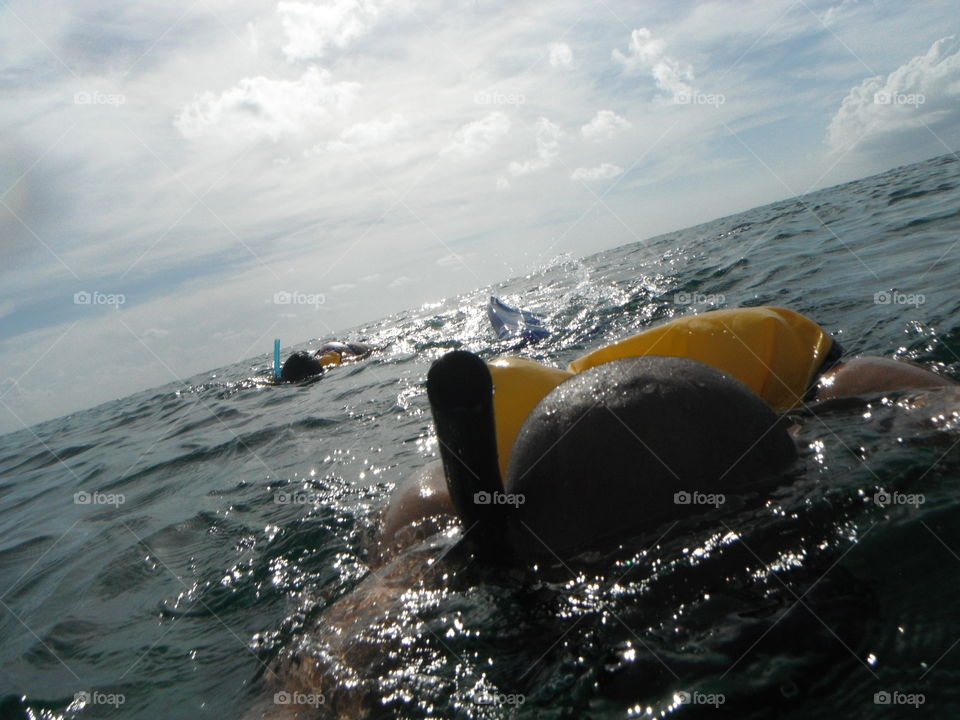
(810, 598)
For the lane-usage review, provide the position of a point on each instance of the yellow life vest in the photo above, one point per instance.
(774, 351)
(518, 385)
(331, 357)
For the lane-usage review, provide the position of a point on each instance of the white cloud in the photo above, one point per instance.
(604, 171)
(400, 282)
(254, 38)
(312, 28)
(448, 260)
(476, 137)
(649, 53)
(548, 136)
(369, 134)
(154, 334)
(604, 125)
(837, 12)
(922, 93)
(644, 51)
(561, 56)
(327, 220)
(258, 107)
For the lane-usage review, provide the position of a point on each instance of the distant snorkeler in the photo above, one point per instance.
(542, 462)
(301, 365)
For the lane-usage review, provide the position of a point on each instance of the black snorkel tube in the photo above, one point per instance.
(460, 390)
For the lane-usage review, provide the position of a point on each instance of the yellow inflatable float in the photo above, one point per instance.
(774, 351)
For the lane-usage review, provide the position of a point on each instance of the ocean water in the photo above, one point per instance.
(148, 560)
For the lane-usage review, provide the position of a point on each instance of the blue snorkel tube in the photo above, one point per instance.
(276, 359)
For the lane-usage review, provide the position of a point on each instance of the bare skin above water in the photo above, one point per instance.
(869, 375)
(418, 508)
(353, 644)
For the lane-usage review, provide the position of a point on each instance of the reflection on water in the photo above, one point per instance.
(240, 563)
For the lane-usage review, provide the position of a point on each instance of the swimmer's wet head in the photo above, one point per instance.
(604, 454)
(300, 366)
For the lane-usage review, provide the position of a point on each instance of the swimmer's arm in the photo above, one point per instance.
(867, 374)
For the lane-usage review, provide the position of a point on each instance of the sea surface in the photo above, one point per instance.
(153, 564)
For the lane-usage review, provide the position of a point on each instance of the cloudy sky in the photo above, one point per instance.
(168, 168)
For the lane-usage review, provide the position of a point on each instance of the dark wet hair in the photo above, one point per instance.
(300, 365)
(639, 437)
